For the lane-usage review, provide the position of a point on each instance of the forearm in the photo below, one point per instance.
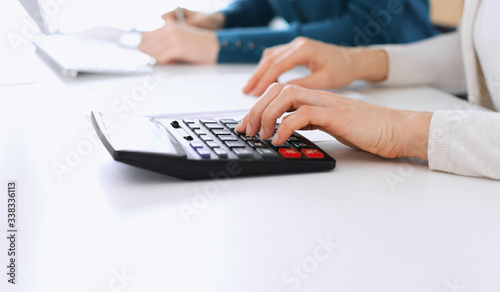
(218, 20)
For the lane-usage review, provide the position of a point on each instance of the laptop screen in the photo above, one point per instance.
(34, 9)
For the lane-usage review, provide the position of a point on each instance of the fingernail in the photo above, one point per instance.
(249, 128)
(275, 139)
(262, 132)
(239, 127)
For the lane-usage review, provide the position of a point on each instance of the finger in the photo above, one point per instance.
(304, 117)
(255, 113)
(170, 15)
(283, 62)
(242, 125)
(289, 99)
(267, 58)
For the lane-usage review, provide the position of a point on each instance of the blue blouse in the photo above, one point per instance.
(344, 22)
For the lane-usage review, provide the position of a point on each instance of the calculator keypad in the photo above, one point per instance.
(218, 139)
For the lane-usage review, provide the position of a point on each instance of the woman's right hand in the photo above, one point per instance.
(331, 66)
(380, 130)
(211, 21)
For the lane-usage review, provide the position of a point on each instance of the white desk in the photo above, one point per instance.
(426, 231)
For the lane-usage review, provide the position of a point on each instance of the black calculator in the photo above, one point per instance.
(201, 148)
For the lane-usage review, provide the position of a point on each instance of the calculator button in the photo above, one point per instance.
(193, 127)
(184, 134)
(257, 144)
(231, 126)
(293, 139)
(221, 132)
(208, 121)
(227, 138)
(196, 145)
(175, 124)
(199, 132)
(284, 145)
(204, 153)
(214, 126)
(229, 121)
(188, 121)
(206, 138)
(267, 153)
(243, 152)
(213, 144)
(221, 153)
(300, 144)
(313, 153)
(289, 152)
(247, 138)
(235, 144)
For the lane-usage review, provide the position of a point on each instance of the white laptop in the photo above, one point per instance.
(102, 50)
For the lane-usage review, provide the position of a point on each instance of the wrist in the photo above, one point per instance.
(218, 20)
(214, 48)
(371, 65)
(415, 132)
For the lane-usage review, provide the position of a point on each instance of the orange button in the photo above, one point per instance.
(289, 153)
(312, 153)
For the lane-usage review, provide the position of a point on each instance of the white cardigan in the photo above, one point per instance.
(464, 142)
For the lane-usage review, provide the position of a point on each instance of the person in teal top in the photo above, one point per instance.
(240, 33)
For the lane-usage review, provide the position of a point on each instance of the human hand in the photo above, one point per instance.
(332, 66)
(380, 130)
(211, 21)
(178, 42)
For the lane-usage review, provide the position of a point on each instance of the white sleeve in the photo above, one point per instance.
(436, 62)
(465, 143)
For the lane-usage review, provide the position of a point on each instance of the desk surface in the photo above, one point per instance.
(372, 224)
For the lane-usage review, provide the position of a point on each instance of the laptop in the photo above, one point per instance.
(101, 50)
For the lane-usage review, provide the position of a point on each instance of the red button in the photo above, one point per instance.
(289, 153)
(312, 153)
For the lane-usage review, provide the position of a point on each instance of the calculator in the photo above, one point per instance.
(203, 148)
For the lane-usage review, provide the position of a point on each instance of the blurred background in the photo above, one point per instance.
(17, 29)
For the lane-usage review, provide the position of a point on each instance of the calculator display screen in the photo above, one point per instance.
(142, 134)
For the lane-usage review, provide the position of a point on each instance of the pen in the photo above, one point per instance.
(180, 15)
